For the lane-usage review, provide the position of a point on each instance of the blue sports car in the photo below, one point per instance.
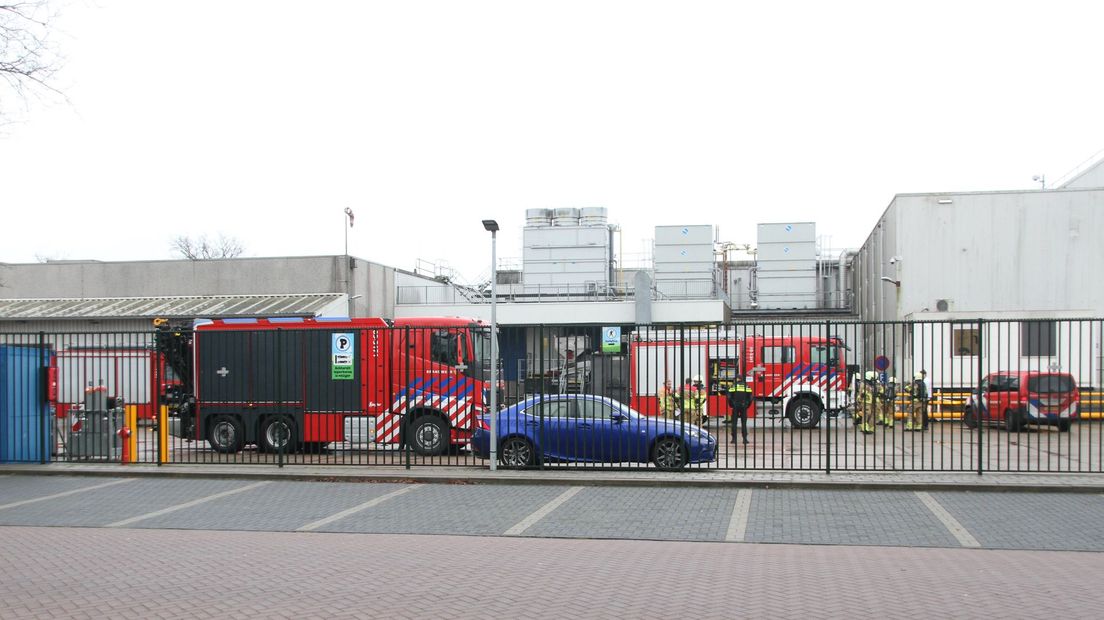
(587, 428)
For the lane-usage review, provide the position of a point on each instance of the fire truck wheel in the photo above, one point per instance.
(225, 434)
(278, 433)
(669, 454)
(1013, 423)
(516, 452)
(1064, 425)
(429, 436)
(804, 413)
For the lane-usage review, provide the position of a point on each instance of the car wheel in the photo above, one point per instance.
(1012, 421)
(669, 454)
(517, 452)
(225, 434)
(278, 434)
(429, 436)
(969, 418)
(1064, 426)
(804, 413)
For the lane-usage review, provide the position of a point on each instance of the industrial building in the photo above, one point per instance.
(936, 256)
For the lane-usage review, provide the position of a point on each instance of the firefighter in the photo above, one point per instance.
(667, 400)
(868, 399)
(927, 395)
(693, 401)
(918, 403)
(887, 405)
(739, 399)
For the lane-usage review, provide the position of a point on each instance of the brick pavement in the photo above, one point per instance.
(100, 573)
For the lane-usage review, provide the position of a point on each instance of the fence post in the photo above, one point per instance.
(45, 422)
(980, 376)
(404, 428)
(828, 400)
(276, 396)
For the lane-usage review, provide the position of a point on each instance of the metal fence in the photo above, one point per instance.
(978, 395)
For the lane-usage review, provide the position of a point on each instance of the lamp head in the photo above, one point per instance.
(490, 225)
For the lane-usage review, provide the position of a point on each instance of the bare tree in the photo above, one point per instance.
(28, 59)
(201, 248)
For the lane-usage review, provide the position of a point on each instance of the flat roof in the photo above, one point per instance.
(209, 306)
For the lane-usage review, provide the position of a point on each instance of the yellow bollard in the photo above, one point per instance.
(130, 420)
(163, 433)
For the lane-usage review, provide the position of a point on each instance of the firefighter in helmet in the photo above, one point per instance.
(888, 404)
(667, 400)
(918, 403)
(693, 401)
(868, 401)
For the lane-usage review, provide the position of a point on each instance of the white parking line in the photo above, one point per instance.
(355, 509)
(194, 502)
(541, 512)
(737, 526)
(64, 493)
(965, 538)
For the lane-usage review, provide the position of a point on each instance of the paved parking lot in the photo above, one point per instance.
(198, 547)
(1009, 520)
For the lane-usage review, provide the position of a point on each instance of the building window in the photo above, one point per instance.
(965, 341)
(1038, 338)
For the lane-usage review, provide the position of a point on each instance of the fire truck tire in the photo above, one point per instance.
(1064, 426)
(429, 436)
(517, 452)
(277, 432)
(669, 454)
(1013, 421)
(804, 412)
(225, 434)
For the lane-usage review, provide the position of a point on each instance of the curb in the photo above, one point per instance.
(837, 481)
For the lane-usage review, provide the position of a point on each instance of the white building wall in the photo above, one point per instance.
(984, 252)
(1009, 252)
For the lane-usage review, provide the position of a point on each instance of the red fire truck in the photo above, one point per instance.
(800, 377)
(289, 383)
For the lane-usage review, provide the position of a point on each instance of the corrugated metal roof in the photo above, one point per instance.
(309, 304)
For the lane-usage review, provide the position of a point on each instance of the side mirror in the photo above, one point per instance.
(619, 416)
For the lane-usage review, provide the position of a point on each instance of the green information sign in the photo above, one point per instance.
(341, 364)
(611, 340)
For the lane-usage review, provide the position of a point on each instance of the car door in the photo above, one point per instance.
(600, 437)
(1002, 391)
(551, 425)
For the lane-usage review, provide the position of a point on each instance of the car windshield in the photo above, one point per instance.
(1050, 384)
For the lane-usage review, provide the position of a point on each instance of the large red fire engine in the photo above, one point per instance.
(288, 383)
(800, 377)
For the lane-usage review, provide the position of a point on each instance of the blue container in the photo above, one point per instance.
(24, 412)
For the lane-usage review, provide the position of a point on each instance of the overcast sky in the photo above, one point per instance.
(263, 120)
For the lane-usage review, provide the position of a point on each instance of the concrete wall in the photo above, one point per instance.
(373, 283)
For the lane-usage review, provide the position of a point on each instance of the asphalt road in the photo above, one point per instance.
(140, 547)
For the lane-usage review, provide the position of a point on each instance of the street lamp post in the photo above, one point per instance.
(492, 226)
(348, 266)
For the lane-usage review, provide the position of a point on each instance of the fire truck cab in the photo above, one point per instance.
(798, 377)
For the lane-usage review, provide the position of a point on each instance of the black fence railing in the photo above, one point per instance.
(977, 395)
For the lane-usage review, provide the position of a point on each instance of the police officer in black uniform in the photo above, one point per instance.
(739, 399)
